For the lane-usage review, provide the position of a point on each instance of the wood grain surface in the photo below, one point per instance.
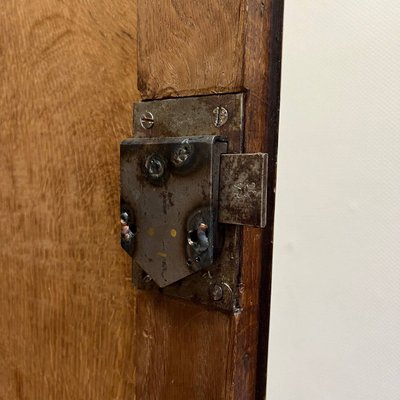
(71, 325)
(188, 47)
(67, 82)
(184, 50)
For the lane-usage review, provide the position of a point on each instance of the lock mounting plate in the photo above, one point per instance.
(169, 122)
(170, 188)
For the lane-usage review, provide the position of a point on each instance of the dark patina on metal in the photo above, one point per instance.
(243, 189)
(175, 203)
(188, 197)
(190, 116)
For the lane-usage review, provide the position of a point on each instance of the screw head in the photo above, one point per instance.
(147, 120)
(124, 218)
(147, 278)
(126, 233)
(216, 292)
(181, 155)
(221, 116)
(155, 166)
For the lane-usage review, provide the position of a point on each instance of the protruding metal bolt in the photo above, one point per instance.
(126, 234)
(221, 116)
(202, 227)
(202, 235)
(155, 166)
(198, 238)
(216, 292)
(147, 120)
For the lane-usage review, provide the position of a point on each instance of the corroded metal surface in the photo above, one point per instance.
(219, 284)
(171, 186)
(190, 116)
(243, 189)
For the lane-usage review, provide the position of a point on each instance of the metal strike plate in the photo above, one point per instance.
(223, 189)
(243, 189)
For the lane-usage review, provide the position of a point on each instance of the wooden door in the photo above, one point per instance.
(72, 326)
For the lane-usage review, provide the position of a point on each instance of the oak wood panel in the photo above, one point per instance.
(262, 69)
(178, 351)
(174, 71)
(67, 79)
(188, 47)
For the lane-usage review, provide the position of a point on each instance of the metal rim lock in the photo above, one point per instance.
(183, 197)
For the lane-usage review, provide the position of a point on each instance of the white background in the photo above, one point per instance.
(335, 324)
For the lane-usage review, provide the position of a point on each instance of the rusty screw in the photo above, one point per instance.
(147, 120)
(181, 155)
(221, 116)
(147, 279)
(216, 292)
(155, 166)
(126, 234)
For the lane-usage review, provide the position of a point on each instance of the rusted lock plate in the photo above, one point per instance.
(170, 189)
(243, 189)
(241, 200)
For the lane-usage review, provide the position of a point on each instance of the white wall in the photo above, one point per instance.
(335, 324)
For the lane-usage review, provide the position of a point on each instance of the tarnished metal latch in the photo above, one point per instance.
(185, 191)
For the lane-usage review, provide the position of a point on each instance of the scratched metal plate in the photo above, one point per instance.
(218, 285)
(243, 189)
(191, 116)
(163, 207)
